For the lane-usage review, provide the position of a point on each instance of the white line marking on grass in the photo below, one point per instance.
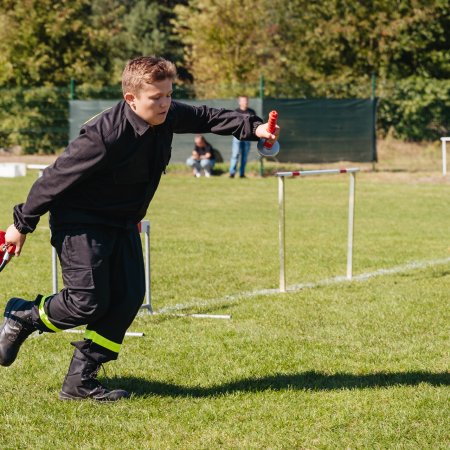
(414, 265)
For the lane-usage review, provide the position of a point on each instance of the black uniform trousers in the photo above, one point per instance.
(104, 286)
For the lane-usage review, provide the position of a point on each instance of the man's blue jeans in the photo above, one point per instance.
(239, 149)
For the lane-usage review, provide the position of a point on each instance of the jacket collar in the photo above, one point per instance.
(139, 124)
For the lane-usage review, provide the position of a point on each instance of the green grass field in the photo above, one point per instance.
(362, 364)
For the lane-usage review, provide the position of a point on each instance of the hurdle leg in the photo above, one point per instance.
(444, 156)
(54, 271)
(351, 220)
(148, 299)
(281, 233)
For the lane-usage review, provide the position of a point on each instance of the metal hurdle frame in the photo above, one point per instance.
(282, 219)
(444, 141)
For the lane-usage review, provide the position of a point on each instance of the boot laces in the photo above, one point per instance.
(100, 392)
(95, 372)
(93, 377)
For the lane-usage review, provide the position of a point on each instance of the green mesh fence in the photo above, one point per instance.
(325, 130)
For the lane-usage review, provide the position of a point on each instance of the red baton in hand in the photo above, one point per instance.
(264, 147)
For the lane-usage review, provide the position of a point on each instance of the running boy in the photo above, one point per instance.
(96, 193)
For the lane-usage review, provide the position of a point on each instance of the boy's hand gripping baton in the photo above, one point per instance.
(6, 251)
(264, 147)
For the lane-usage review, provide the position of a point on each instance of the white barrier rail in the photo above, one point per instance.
(305, 173)
(39, 167)
(282, 217)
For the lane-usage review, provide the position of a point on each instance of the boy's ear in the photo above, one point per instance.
(129, 98)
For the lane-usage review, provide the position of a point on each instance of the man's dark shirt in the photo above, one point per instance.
(204, 150)
(248, 111)
(110, 172)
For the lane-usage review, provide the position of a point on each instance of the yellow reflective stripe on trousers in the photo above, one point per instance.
(43, 316)
(102, 341)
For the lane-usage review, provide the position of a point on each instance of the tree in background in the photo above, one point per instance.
(139, 27)
(44, 44)
(325, 43)
(47, 42)
(228, 44)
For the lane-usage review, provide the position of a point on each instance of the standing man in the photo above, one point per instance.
(96, 192)
(240, 148)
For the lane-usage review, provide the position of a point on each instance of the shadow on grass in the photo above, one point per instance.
(309, 381)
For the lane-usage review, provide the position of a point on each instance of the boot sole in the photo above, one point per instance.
(64, 396)
(67, 397)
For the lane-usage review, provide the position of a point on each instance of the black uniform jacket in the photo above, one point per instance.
(110, 172)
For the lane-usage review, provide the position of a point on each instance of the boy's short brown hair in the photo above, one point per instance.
(146, 69)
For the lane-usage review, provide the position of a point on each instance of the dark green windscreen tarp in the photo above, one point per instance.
(313, 131)
(325, 130)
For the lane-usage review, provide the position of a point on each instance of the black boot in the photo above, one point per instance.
(17, 326)
(81, 383)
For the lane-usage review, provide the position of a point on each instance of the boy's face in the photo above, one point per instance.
(153, 101)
